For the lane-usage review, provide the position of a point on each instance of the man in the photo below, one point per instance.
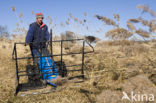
(37, 36)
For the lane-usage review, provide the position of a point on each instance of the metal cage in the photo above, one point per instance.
(62, 67)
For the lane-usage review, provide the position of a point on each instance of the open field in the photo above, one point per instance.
(111, 69)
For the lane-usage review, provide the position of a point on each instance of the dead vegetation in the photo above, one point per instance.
(118, 64)
(109, 68)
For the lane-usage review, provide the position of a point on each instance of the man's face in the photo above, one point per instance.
(39, 20)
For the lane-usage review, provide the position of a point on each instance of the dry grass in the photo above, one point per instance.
(109, 67)
(115, 66)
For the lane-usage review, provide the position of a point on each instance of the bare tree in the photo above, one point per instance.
(4, 32)
(119, 34)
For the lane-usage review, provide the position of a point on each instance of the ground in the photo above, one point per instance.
(113, 68)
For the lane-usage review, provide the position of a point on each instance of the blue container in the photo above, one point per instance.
(48, 69)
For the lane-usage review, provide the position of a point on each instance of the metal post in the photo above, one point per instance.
(16, 62)
(17, 77)
(51, 48)
(82, 72)
(41, 59)
(61, 59)
(51, 39)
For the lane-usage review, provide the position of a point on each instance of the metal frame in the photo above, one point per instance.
(16, 58)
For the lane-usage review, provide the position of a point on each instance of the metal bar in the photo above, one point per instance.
(73, 40)
(23, 58)
(16, 65)
(82, 72)
(74, 70)
(49, 55)
(51, 39)
(91, 47)
(72, 53)
(41, 59)
(66, 66)
(61, 58)
(13, 52)
(20, 42)
(74, 65)
(21, 71)
(56, 55)
(35, 73)
(68, 40)
(28, 74)
(78, 76)
(51, 42)
(88, 52)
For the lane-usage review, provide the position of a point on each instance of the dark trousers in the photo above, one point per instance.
(35, 52)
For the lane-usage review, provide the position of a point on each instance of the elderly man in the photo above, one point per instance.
(37, 36)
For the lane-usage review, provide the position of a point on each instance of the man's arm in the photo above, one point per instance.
(29, 36)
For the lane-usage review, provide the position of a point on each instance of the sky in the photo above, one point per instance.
(59, 11)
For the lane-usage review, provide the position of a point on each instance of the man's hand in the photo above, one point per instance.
(25, 44)
(48, 42)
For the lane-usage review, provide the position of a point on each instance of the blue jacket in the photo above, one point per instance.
(37, 34)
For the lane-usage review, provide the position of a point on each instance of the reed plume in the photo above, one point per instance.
(145, 8)
(143, 33)
(106, 20)
(134, 20)
(131, 26)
